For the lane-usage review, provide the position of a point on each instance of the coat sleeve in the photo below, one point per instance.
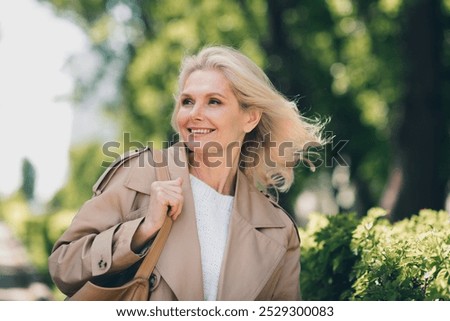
(98, 241)
(288, 285)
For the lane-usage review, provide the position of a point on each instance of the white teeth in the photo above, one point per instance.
(201, 131)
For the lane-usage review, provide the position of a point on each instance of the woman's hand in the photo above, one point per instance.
(166, 198)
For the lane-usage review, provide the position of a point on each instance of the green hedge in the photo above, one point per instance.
(345, 257)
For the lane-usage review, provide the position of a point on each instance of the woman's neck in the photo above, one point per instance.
(219, 173)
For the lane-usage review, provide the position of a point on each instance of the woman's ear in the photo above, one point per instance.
(252, 119)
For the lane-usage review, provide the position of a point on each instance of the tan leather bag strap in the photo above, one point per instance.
(150, 260)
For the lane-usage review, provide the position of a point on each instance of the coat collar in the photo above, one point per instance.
(246, 250)
(249, 201)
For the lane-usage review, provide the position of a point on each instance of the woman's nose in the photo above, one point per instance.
(197, 111)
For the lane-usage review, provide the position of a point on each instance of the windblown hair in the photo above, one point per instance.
(271, 150)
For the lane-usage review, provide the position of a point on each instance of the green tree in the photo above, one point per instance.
(423, 120)
(28, 179)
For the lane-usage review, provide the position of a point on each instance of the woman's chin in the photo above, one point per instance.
(205, 147)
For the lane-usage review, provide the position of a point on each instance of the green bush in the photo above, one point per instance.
(349, 258)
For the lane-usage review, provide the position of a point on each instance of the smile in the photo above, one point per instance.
(200, 131)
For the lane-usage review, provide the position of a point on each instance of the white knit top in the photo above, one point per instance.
(212, 211)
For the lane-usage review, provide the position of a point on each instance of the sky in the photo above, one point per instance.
(35, 116)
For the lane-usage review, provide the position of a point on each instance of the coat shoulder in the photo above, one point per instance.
(109, 172)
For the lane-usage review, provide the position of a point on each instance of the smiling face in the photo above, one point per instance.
(209, 113)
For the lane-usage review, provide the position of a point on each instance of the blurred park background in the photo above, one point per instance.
(378, 69)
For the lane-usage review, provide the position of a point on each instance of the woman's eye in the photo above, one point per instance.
(186, 101)
(214, 101)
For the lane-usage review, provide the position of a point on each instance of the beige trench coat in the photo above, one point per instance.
(261, 259)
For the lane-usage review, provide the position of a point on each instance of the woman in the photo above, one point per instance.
(229, 241)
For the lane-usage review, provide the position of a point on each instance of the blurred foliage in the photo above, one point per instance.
(349, 258)
(38, 233)
(85, 168)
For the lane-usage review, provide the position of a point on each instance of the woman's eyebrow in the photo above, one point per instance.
(187, 94)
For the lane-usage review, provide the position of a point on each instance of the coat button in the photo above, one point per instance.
(102, 264)
(153, 281)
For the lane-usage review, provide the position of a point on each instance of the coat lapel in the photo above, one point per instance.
(250, 257)
(180, 261)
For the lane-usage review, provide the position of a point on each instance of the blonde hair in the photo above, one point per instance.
(280, 123)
